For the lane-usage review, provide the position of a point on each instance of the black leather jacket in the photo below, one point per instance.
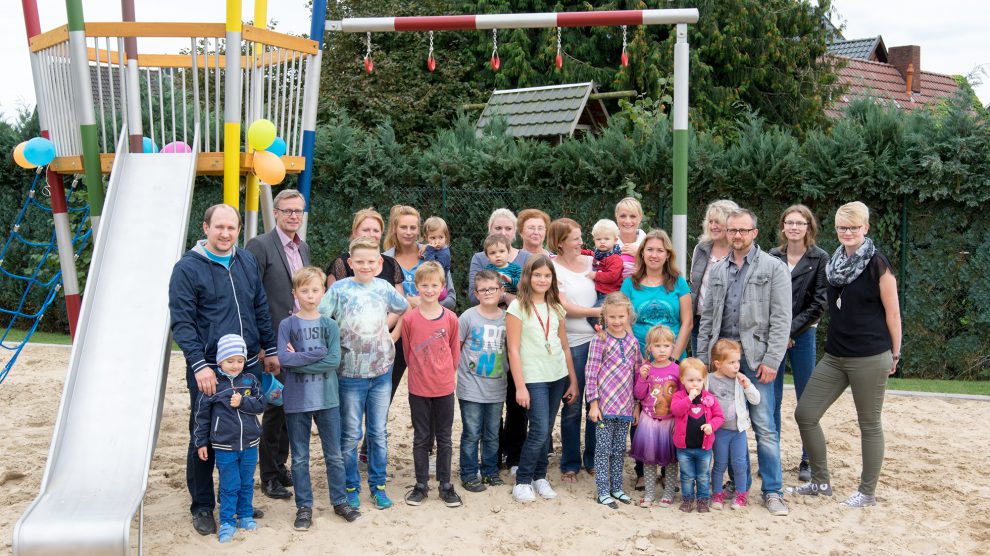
(808, 288)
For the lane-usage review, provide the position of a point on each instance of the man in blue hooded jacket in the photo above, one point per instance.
(216, 290)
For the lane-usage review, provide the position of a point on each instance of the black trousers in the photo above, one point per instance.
(274, 449)
(432, 419)
(513, 433)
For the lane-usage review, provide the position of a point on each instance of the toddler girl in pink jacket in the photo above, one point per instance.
(696, 417)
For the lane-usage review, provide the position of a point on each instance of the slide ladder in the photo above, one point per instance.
(107, 425)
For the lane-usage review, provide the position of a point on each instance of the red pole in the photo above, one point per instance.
(60, 214)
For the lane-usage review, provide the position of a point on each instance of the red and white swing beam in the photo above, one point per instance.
(679, 17)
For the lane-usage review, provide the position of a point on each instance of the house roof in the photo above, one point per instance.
(870, 48)
(544, 111)
(884, 83)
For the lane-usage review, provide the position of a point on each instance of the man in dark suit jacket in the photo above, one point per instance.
(280, 253)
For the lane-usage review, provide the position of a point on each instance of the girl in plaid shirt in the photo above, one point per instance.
(613, 359)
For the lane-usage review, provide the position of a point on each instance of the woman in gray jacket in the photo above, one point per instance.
(713, 245)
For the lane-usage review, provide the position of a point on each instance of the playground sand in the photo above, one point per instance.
(934, 495)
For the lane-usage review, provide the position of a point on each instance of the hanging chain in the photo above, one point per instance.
(624, 58)
(430, 54)
(558, 41)
(431, 63)
(558, 60)
(367, 53)
(623, 38)
(496, 62)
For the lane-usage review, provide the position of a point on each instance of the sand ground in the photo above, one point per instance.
(934, 496)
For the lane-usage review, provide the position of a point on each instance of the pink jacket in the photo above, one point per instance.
(681, 405)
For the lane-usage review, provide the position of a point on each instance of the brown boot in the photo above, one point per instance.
(686, 505)
(703, 504)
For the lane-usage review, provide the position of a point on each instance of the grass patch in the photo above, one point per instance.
(15, 336)
(970, 387)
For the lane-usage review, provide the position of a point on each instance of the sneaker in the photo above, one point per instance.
(665, 502)
(417, 494)
(203, 522)
(382, 501)
(814, 489)
(607, 500)
(346, 511)
(449, 496)
(645, 502)
(742, 498)
(493, 480)
(473, 485)
(513, 470)
(247, 523)
(226, 533)
(304, 519)
(775, 504)
(703, 504)
(687, 505)
(622, 497)
(860, 500)
(353, 499)
(543, 488)
(804, 471)
(523, 493)
(718, 501)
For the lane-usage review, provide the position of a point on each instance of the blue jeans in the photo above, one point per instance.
(694, 464)
(544, 401)
(767, 439)
(236, 483)
(480, 426)
(364, 399)
(570, 421)
(803, 361)
(299, 426)
(729, 450)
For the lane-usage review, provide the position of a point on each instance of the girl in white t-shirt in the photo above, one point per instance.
(542, 370)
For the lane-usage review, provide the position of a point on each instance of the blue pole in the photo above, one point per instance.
(312, 94)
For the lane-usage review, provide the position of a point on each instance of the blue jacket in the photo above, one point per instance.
(207, 300)
(225, 427)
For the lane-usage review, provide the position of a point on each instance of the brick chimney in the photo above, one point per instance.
(903, 58)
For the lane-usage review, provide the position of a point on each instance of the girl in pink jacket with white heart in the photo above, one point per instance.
(697, 416)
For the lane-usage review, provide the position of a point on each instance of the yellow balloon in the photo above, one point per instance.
(19, 157)
(261, 134)
(268, 167)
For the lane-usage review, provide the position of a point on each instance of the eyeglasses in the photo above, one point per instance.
(739, 231)
(795, 223)
(487, 291)
(847, 229)
(291, 212)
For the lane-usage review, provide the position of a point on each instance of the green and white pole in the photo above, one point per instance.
(82, 93)
(680, 142)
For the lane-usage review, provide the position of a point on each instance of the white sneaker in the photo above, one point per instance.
(513, 469)
(523, 493)
(544, 489)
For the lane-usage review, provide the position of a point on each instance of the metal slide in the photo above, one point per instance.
(107, 425)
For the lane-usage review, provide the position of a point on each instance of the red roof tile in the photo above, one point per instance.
(883, 82)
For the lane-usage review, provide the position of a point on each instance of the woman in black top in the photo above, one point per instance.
(367, 222)
(862, 349)
(806, 263)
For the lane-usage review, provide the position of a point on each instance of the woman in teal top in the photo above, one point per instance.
(659, 294)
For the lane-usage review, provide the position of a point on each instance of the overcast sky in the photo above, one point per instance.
(952, 33)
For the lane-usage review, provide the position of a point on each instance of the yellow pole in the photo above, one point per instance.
(232, 107)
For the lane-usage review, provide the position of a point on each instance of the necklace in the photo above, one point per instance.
(838, 298)
(545, 328)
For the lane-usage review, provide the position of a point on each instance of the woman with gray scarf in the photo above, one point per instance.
(862, 349)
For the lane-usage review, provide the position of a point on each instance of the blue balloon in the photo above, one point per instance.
(277, 147)
(39, 151)
(149, 146)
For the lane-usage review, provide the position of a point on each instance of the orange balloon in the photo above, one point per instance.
(19, 157)
(268, 167)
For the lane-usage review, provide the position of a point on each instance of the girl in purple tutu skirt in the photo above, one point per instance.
(654, 387)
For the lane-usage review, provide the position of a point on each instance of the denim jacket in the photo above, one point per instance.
(765, 312)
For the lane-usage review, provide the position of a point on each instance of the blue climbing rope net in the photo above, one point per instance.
(42, 280)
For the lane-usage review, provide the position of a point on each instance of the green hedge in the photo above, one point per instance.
(929, 169)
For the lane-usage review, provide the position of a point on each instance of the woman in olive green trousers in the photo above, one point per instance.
(862, 349)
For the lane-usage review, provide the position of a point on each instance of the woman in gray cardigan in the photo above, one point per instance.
(713, 246)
